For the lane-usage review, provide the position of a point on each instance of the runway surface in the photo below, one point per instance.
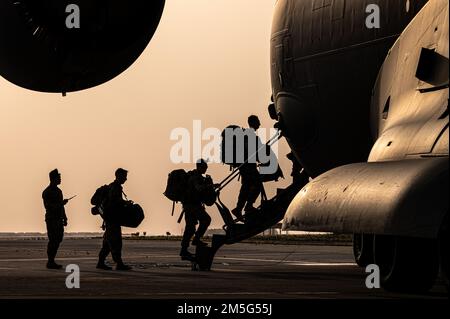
(239, 271)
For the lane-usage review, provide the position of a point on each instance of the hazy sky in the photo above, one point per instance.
(209, 61)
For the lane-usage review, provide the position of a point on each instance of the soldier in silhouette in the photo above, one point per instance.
(55, 217)
(194, 208)
(112, 238)
(251, 184)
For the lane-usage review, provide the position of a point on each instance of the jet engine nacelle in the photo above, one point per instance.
(64, 46)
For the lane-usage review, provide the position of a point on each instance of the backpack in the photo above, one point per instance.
(177, 185)
(100, 195)
(209, 195)
(132, 216)
(230, 144)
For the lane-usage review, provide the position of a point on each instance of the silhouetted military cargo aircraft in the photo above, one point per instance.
(376, 147)
(363, 106)
(54, 46)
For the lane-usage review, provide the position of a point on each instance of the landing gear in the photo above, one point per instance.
(406, 264)
(363, 249)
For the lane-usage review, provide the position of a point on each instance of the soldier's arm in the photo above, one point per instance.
(205, 184)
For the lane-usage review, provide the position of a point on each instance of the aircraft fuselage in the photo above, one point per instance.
(324, 64)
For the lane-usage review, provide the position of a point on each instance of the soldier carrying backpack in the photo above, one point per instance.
(194, 191)
(111, 205)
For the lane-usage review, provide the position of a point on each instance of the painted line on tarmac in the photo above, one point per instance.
(45, 259)
(290, 262)
(318, 264)
(280, 261)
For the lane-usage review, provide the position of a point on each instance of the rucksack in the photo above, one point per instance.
(177, 183)
(209, 195)
(230, 146)
(100, 195)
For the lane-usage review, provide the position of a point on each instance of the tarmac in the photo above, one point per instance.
(241, 271)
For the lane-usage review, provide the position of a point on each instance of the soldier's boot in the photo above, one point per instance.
(199, 243)
(185, 254)
(238, 214)
(121, 266)
(53, 265)
(250, 209)
(101, 265)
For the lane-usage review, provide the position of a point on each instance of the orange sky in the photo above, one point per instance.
(209, 61)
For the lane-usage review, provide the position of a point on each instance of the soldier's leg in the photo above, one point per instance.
(60, 232)
(55, 232)
(205, 221)
(254, 191)
(243, 194)
(51, 251)
(119, 242)
(115, 245)
(242, 199)
(189, 231)
(115, 242)
(104, 251)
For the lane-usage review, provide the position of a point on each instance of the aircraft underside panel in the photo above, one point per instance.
(405, 198)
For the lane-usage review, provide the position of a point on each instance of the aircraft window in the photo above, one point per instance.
(432, 68)
(319, 4)
(444, 115)
(338, 9)
(386, 109)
